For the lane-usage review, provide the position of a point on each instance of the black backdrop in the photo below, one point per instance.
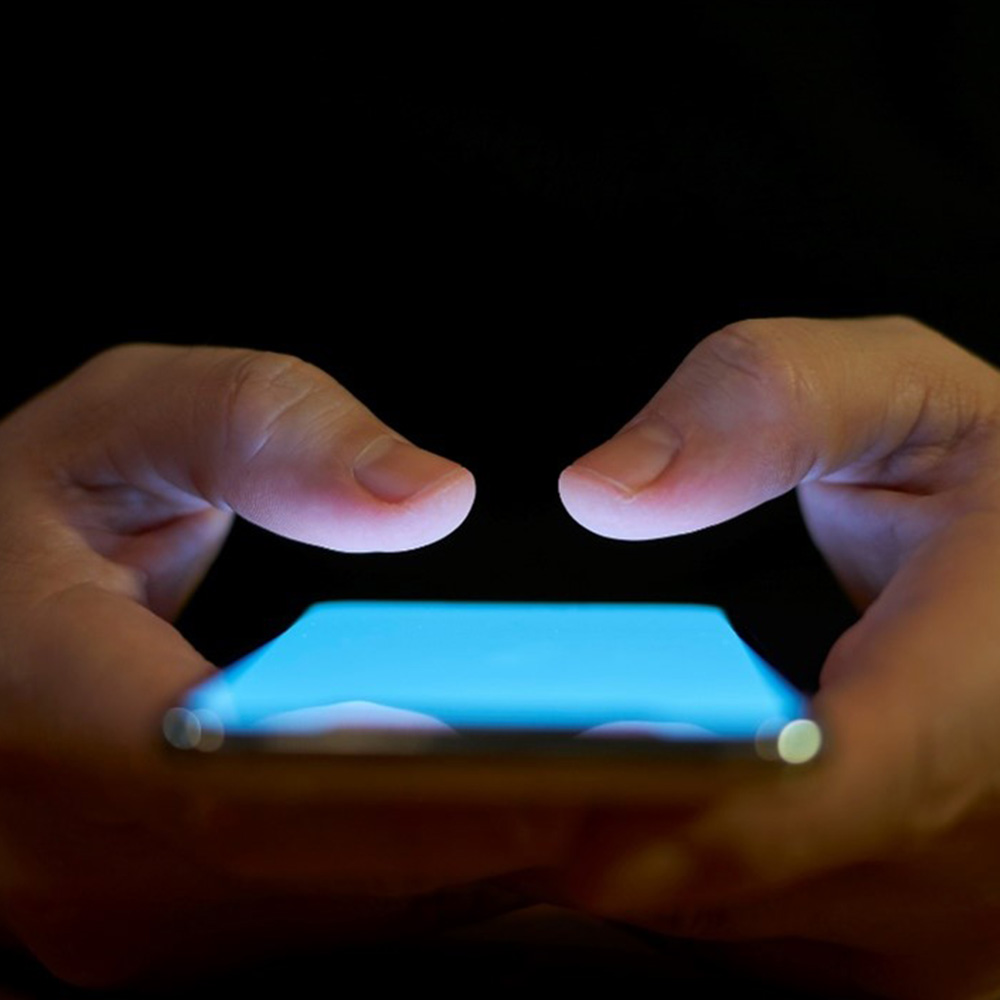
(504, 243)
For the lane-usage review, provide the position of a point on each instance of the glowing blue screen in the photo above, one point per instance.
(663, 669)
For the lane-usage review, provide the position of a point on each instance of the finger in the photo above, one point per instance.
(176, 558)
(913, 754)
(894, 928)
(154, 915)
(145, 433)
(94, 754)
(764, 405)
(102, 670)
(829, 910)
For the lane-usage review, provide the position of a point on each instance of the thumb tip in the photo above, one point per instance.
(602, 506)
(431, 515)
(348, 518)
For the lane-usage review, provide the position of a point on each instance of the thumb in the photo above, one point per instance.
(754, 410)
(267, 436)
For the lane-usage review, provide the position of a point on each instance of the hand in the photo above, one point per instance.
(881, 869)
(118, 489)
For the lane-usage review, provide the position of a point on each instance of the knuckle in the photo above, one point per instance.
(253, 375)
(758, 354)
(261, 390)
(763, 373)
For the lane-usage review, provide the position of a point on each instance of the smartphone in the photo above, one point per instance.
(417, 698)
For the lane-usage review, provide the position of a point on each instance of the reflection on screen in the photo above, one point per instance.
(604, 670)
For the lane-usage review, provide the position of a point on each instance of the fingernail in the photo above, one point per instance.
(393, 470)
(645, 881)
(634, 458)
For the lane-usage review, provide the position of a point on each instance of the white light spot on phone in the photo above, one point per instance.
(200, 729)
(799, 741)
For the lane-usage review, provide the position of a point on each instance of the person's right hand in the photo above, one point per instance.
(118, 487)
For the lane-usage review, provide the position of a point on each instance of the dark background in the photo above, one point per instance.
(503, 237)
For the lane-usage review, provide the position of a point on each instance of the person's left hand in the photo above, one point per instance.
(880, 868)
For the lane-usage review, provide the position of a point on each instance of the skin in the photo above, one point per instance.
(878, 870)
(119, 487)
(881, 869)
